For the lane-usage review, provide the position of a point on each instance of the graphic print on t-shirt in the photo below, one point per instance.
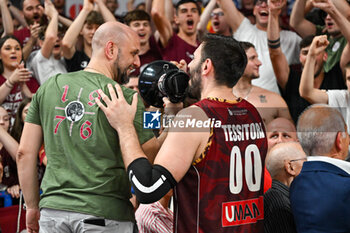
(74, 111)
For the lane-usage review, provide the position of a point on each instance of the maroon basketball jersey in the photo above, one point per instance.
(223, 190)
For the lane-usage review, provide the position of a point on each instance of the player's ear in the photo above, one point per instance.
(207, 66)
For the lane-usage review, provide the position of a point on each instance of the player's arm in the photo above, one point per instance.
(151, 182)
(28, 150)
(306, 88)
(233, 16)
(151, 148)
(278, 59)
(298, 21)
(161, 21)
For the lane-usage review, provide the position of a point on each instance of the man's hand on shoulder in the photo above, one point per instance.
(119, 113)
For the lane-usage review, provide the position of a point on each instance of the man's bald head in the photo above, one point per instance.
(281, 154)
(112, 31)
(115, 49)
(318, 127)
(280, 130)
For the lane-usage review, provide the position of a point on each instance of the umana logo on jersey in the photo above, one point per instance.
(242, 212)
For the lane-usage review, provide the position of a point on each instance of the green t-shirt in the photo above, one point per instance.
(85, 172)
(334, 49)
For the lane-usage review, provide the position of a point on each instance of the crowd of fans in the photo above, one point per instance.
(298, 54)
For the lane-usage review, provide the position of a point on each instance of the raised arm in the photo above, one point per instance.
(233, 16)
(18, 14)
(130, 5)
(297, 20)
(51, 30)
(306, 88)
(161, 21)
(34, 35)
(169, 10)
(278, 59)
(148, 6)
(345, 58)
(343, 24)
(7, 21)
(70, 38)
(343, 7)
(65, 21)
(106, 14)
(205, 17)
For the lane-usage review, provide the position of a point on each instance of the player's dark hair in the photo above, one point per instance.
(227, 56)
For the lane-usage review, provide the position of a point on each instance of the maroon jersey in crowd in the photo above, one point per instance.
(178, 49)
(13, 100)
(153, 54)
(22, 35)
(223, 190)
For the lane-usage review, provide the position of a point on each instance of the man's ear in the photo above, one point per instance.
(207, 66)
(338, 141)
(288, 166)
(111, 50)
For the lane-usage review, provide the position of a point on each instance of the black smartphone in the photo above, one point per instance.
(95, 221)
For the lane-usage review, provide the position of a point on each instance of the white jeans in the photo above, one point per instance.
(60, 221)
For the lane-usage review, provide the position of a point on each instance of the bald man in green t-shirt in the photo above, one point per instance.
(85, 186)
